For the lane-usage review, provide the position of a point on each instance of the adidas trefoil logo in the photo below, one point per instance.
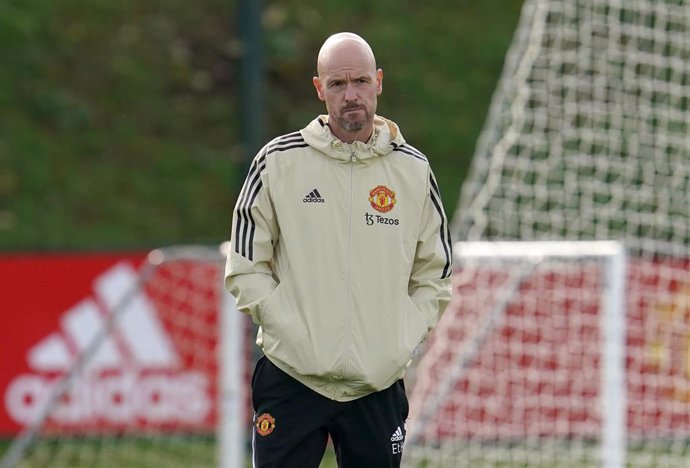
(313, 197)
(397, 435)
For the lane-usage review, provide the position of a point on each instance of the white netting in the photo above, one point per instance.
(515, 374)
(588, 138)
(589, 132)
(146, 390)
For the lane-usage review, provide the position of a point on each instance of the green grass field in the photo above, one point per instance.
(201, 453)
(106, 453)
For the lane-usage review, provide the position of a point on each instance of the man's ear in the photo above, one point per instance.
(379, 81)
(319, 88)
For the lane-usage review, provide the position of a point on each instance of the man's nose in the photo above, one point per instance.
(350, 92)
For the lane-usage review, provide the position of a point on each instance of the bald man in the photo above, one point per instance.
(341, 253)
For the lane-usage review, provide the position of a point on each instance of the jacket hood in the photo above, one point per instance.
(385, 138)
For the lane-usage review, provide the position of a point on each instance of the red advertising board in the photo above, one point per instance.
(142, 375)
(536, 372)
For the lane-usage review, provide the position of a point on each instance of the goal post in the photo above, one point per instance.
(510, 287)
(232, 427)
(162, 379)
(587, 138)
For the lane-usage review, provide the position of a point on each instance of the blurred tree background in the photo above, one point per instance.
(120, 120)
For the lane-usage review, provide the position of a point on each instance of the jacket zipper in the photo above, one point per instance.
(353, 160)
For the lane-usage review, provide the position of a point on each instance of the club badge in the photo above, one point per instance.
(265, 424)
(382, 198)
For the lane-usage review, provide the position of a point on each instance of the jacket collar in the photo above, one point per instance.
(386, 136)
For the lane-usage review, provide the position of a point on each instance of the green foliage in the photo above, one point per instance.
(119, 120)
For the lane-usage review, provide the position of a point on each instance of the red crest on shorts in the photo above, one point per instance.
(265, 424)
(382, 198)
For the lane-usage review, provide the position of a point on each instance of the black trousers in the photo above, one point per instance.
(292, 424)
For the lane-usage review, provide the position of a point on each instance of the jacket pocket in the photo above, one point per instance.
(400, 339)
(259, 319)
(268, 308)
(283, 329)
(416, 327)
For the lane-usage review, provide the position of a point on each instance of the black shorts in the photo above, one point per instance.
(292, 424)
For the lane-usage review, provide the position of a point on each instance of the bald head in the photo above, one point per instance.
(344, 43)
(348, 83)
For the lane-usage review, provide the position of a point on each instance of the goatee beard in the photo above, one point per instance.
(353, 125)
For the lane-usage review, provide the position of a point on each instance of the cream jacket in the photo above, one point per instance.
(341, 253)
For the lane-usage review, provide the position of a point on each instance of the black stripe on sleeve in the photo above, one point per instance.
(290, 137)
(410, 150)
(413, 150)
(284, 147)
(286, 142)
(245, 225)
(250, 240)
(243, 236)
(444, 230)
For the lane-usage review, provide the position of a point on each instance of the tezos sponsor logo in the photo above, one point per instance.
(372, 219)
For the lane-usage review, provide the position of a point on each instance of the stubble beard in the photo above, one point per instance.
(353, 125)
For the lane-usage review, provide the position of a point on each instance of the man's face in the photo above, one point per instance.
(349, 84)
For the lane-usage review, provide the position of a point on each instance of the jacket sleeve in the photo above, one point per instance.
(429, 286)
(248, 273)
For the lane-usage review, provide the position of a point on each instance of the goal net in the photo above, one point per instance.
(587, 139)
(526, 367)
(160, 379)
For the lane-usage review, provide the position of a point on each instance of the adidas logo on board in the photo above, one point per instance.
(135, 375)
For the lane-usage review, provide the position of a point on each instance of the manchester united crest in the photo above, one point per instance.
(382, 198)
(265, 424)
